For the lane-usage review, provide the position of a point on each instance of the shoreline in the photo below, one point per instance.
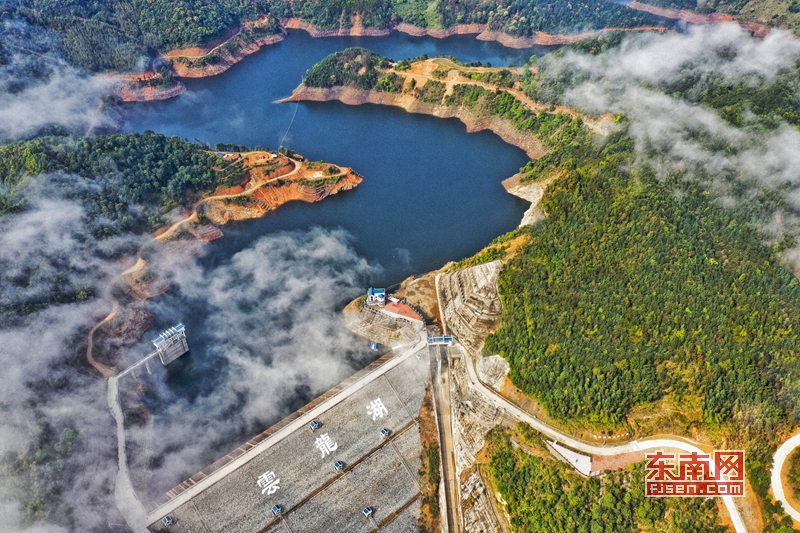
(481, 32)
(266, 191)
(226, 59)
(757, 29)
(127, 93)
(352, 96)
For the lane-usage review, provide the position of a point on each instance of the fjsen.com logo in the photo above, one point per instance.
(695, 474)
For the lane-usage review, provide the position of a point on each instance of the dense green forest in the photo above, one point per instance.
(520, 18)
(771, 101)
(545, 495)
(120, 34)
(746, 100)
(136, 168)
(628, 292)
(354, 67)
(117, 34)
(501, 78)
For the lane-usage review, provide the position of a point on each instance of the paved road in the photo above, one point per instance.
(124, 495)
(777, 484)
(636, 446)
(563, 438)
(300, 422)
(440, 384)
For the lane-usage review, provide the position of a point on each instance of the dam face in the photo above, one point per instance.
(289, 478)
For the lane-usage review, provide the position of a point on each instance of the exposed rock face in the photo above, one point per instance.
(476, 506)
(130, 92)
(225, 59)
(539, 38)
(270, 197)
(352, 96)
(532, 192)
(473, 417)
(471, 303)
(355, 30)
(493, 370)
(442, 33)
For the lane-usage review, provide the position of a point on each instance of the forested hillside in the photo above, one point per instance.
(123, 182)
(82, 202)
(626, 294)
(121, 34)
(739, 100)
(543, 494)
(516, 17)
(145, 169)
(354, 67)
(631, 290)
(118, 34)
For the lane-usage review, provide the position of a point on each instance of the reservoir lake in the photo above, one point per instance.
(431, 194)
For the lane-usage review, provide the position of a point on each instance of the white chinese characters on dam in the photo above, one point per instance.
(325, 444)
(268, 481)
(377, 409)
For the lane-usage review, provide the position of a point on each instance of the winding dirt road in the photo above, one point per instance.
(193, 217)
(105, 370)
(422, 72)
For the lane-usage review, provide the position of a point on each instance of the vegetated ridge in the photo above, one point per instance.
(161, 39)
(754, 15)
(438, 87)
(629, 301)
(127, 186)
